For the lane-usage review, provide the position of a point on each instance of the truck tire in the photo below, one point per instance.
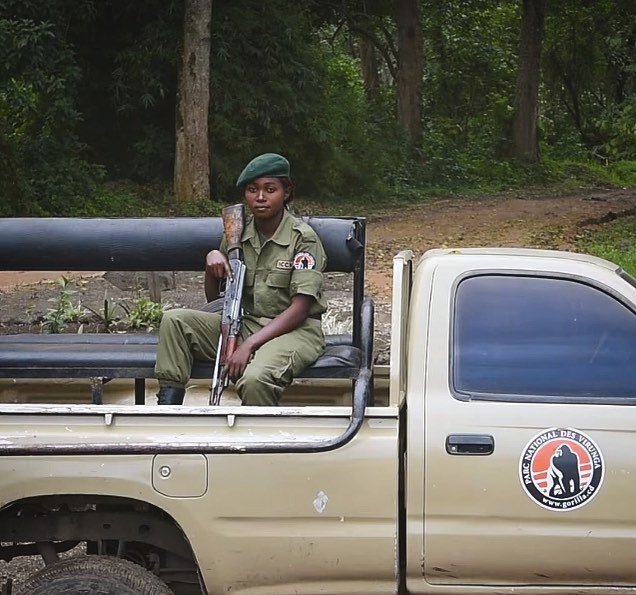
(93, 575)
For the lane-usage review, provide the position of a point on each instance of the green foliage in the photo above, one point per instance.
(106, 316)
(623, 173)
(129, 100)
(140, 313)
(589, 73)
(116, 199)
(38, 119)
(279, 89)
(88, 92)
(63, 311)
(360, 148)
(197, 208)
(266, 87)
(471, 57)
(572, 174)
(615, 242)
(144, 313)
(618, 126)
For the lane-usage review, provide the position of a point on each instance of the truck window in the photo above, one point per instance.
(525, 336)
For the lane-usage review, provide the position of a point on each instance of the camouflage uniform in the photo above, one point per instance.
(290, 262)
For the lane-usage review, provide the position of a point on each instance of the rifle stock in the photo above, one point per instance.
(233, 225)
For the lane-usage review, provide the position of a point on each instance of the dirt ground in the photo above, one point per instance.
(552, 222)
(523, 221)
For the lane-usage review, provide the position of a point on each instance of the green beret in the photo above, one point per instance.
(268, 164)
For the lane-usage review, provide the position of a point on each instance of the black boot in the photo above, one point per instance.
(170, 395)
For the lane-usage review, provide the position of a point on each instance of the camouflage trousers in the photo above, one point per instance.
(186, 335)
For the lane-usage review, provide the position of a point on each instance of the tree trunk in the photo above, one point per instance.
(9, 183)
(369, 62)
(569, 92)
(446, 103)
(410, 70)
(192, 161)
(525, 124)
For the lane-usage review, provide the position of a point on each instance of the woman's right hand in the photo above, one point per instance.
(217, 265)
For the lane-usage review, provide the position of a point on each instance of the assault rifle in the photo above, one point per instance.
(233, 224)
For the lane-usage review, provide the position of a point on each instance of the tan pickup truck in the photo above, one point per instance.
(496, 456)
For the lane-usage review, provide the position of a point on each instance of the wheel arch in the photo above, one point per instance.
(68, 519)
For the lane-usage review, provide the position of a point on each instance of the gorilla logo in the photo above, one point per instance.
(561, 469)
(564, 473)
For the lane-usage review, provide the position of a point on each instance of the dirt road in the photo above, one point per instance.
(532, 222)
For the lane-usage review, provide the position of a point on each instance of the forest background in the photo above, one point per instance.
(111, 107)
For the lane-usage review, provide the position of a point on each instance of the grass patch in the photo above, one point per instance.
(417, 184)
(614, 241)
(585, 173)
(124, 198)
(413, 184)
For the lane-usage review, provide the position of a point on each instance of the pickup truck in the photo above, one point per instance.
(492, 455)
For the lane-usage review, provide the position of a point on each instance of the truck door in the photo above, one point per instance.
(529, 387)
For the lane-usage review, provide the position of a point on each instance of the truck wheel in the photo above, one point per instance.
(93, 575)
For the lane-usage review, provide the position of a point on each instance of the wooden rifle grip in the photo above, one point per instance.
(233, 225)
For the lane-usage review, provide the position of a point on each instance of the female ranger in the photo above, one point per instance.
(282, 298)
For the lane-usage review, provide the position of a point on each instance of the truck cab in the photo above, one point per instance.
(521, 382)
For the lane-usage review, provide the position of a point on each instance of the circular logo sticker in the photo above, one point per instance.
(561, 469)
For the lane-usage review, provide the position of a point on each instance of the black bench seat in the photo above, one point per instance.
(131, 356)
(156, 244)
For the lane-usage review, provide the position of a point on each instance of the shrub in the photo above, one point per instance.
(144, 313)
(64, 311)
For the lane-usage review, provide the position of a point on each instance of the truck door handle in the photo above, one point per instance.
(470, 444)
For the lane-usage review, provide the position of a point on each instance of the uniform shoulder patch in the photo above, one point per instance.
(304, 261)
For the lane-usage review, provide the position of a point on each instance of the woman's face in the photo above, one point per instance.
(266, 198)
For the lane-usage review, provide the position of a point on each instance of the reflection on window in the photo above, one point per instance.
(516, 335)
